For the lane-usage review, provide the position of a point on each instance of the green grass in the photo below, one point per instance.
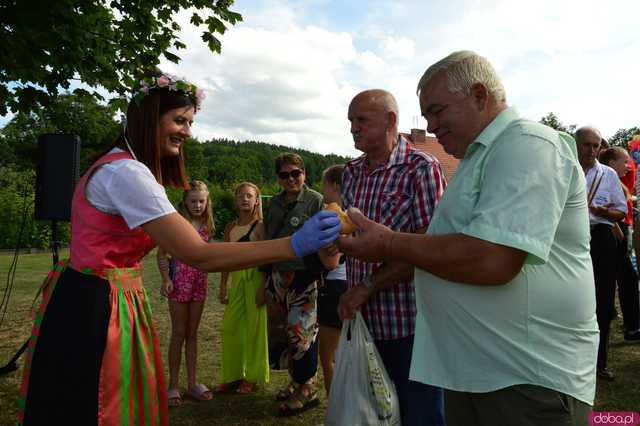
(254, 409)
(623, 394)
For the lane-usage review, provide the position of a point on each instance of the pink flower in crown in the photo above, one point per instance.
(172, 80)
(200, 95)
(145, 89)
(163, 81)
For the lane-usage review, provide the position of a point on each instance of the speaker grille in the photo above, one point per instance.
(57, 172)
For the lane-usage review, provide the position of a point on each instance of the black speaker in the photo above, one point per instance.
(57, 172)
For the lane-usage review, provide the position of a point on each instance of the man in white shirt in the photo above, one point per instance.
(607, 205)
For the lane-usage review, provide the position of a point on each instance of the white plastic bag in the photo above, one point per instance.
(362, 394)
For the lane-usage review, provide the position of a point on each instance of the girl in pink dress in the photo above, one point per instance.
(186, 290)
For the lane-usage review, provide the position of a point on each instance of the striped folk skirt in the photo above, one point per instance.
(93, 357)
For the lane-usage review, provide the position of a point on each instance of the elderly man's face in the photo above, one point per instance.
(369, 123)
(452, 117)
(588, 145)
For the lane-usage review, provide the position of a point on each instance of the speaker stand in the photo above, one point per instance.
(55, 247)
(55, 242)
(12, 365)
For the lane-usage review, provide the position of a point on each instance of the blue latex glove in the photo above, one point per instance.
(318, 231)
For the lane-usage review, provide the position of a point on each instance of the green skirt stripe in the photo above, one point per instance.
(134, 362)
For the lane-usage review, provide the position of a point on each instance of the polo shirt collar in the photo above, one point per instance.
(497, 126)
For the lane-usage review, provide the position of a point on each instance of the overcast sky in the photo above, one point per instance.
(287, 73)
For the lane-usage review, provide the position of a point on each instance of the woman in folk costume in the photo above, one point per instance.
(94, 356)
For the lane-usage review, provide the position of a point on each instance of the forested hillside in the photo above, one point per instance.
(220, 162)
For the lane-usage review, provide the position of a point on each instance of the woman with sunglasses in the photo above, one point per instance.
(292, 285)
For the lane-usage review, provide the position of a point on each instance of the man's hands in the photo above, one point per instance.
(371, 243)
(352, 300)
(605, 211)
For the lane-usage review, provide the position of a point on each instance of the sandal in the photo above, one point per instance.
(284, 394)
(245, 387)
(200, 392)
(227, 387)
(299, 402)
(174, 398)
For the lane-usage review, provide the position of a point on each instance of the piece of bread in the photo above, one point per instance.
(347, 226)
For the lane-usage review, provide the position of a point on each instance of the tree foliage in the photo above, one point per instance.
(48, 44)
(221, 163)
(623, 136)
(552, 121)
(620, 138)
(76, 114)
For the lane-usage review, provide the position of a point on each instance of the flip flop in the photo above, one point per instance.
(245, 388)
(285, 393)
(174, 398)
(200, 392)
(306, 402)
(227, 387)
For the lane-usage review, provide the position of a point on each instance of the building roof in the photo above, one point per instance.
(420, 141)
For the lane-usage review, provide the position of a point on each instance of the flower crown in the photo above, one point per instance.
(169, 82)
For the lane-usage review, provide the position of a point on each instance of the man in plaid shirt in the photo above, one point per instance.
(397, 186)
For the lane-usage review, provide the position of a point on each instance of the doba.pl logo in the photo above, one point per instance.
(614, 418)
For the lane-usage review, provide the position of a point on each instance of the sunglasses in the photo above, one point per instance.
(293, 173)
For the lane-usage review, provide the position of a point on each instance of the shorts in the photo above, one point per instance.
(189, 284)
(328, 299)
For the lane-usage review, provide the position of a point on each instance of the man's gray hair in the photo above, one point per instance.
(464, 69)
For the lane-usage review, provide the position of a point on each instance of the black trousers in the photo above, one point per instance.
(627, 285)
(518, 405)
(420, 404)
(604, 259)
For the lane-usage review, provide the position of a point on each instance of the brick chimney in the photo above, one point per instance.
(429, 144)
(418, 136)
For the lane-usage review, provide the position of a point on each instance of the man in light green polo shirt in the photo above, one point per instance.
(504, 284)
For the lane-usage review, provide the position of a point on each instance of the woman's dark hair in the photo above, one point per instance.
(142, 133)
(289, 158)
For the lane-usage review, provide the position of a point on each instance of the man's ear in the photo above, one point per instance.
(392, 120)
(480, 96)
